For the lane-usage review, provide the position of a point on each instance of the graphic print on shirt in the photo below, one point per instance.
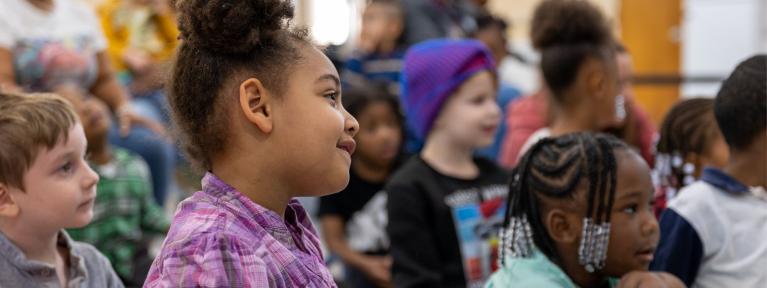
(366, 229)
(43, 64)
(478, 216)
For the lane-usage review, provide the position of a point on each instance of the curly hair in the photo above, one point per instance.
(566, 33)
(222, 41)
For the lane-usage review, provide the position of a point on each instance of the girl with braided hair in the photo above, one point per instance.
(579, 215)
(689, 141)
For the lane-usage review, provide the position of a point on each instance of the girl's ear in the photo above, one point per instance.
(563, 226)
(256, 104)
(596, 80)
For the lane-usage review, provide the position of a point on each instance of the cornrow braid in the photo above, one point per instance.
(553, 168)
(690, 127)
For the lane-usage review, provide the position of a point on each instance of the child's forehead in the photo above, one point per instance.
(633, 175)
(376, 110)
(68, 145)
(632, 180)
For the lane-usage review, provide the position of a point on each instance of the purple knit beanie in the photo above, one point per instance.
(432, 71)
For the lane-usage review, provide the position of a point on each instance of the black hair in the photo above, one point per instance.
(741, 104)
(554, 168)
(566, 33)
(222, 39)
(486, 20)
(357, 98)
(689, 127)
(400, 42)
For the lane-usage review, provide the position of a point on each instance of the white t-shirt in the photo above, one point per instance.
(51, 48)
(733, 230)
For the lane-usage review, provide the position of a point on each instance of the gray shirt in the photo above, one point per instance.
(87, 267)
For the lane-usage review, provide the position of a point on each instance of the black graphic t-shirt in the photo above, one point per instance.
(444, 230)
(362, 206)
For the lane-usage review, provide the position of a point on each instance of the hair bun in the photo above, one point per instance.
(568, 22)
(232, 26)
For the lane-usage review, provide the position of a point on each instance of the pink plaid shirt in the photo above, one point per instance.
(220, 238)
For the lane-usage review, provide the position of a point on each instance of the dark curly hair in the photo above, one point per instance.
(566, 33)
(224, 41)
(689, 127)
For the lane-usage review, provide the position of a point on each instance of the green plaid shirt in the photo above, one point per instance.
(124, 211)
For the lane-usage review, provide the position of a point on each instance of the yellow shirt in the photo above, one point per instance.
(128, 25)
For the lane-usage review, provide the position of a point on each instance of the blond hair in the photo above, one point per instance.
(29, 122)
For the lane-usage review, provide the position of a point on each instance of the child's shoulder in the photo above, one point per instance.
(98, 268)
(416, 170)
(204, 217)
(489, 167)
(411, 171)
(88, 252)
(536, 271)
(698, 195)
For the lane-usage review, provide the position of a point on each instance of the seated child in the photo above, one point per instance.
(377, 58)
(141, 39)
(580, 215)
(45, 187)
(259, 108)
(713, 233)
(584, 69)
(125, 215)
(354, 220)
(689, 141)
(445, 206)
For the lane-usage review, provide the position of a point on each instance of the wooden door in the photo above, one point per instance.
(650, 31)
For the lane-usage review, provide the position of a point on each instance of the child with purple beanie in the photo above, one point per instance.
(445, 206)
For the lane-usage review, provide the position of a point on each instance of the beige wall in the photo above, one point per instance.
(520, 13)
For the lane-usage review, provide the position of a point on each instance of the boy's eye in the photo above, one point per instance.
(478, 100)
(66, 168)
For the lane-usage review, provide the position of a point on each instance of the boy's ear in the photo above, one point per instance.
(256, 104)
(8, 205)
(562, 226)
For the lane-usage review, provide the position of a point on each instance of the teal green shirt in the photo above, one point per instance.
(536, 271)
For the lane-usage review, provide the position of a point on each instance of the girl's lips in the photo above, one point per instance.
(347, 145)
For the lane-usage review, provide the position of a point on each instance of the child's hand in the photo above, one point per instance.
(378, 269)
(644, 279)
(126, 118)
(137, 61)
